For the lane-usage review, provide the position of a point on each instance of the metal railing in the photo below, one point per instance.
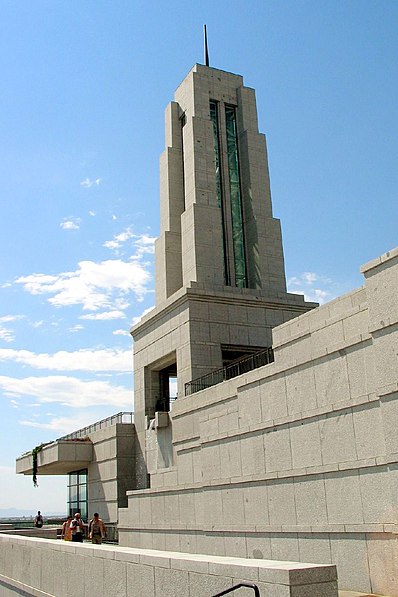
(258, 359)
(122, 417)
(249, 585)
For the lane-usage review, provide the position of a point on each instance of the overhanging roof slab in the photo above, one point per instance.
(59, 458)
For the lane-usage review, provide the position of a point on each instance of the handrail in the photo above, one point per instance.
(258, 359)
(249, 585)
(122, 417)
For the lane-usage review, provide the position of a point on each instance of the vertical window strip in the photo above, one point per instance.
(217, 160)
(236, 198)
(77, 493)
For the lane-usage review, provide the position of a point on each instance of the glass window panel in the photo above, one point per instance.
(83, 493)
(236, 199)
(73, 479)
(83, 477)
(83, 510)
(73, 493)
(219, 189)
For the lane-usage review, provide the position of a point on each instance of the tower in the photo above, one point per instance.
(220, 276)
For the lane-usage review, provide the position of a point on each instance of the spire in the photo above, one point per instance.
(206, 48)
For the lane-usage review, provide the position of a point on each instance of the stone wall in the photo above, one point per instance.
(40, 567)
(299, 459)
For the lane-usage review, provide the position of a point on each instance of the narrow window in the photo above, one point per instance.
(238, 240)
(77, 493)
(219, 189)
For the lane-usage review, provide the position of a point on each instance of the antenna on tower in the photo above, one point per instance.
(206, 48)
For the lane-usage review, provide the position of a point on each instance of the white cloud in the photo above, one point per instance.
(121, 333)
(304, 284)
(87, 183)
(68, 391)
(137, 319)
(143, 243)
(70, 224)
(80, 360)
(92, 213)
(6, 334)
(310, 277)
(93, 285)
(104, 316)
(76, 328)
(9, 318)
(37, 324)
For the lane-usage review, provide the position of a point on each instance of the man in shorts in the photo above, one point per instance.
(96, 529)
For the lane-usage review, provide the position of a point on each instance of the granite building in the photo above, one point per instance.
(282, 443)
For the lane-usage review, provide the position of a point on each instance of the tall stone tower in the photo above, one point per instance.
(220, 276)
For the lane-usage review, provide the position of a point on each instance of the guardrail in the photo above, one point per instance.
(122, 417)
(258, 359)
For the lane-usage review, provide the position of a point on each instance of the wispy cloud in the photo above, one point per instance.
(70, 224)
(7, 334)
(93, 285)
(104, 316)
(87, 183)
(143, 243)
(121, 333)
(314, 287)
(67, 391)
(116, 360)
(76, 328)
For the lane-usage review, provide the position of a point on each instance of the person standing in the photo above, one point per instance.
(66, 532)
(38, 522)
(77, 528)
(96, 529)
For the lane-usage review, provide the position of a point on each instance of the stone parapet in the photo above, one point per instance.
(60, 569)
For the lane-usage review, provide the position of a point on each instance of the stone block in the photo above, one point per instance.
(252, 454)
(282, 508)
(349, 553)
(383, 562)
(389, 415)
(337, 435)
(376, 495)
(278, 454)
(171, 583)
(305, 443)
(230, 455)
(141, 580)
(300, 390)
(331, 380)
(315, 548)
(273, 398)
(255, 498)
(232, 505)
(211, 463)
(284, 547)
(343, 497)
(249, 406)
(186, 500)
(310, 498)
(93, 576)
(369, 437)
(325, 589)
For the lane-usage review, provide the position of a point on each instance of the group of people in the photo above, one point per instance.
(73, 529)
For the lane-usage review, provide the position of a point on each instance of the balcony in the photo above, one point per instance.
(69, 453)
(58, 458)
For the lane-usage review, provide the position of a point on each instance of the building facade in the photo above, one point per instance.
(282, 443)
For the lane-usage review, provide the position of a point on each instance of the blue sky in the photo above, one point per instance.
(84, 87)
